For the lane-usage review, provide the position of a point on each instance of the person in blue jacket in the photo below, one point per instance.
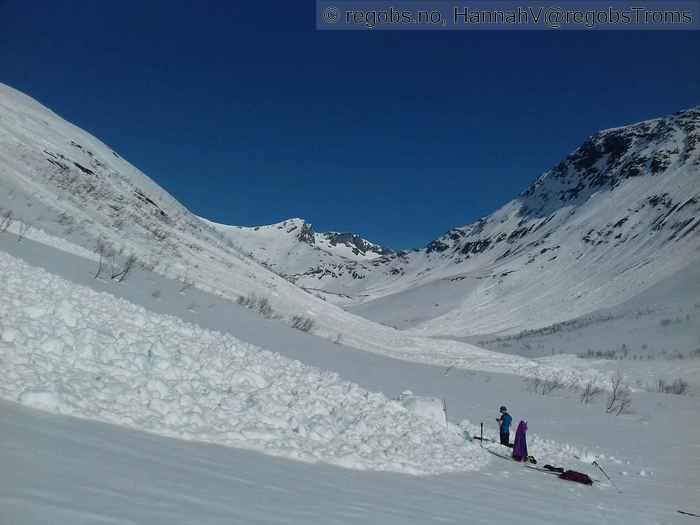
(504, 422)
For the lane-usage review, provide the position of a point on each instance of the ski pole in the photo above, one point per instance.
(444, 409)
(606, 475)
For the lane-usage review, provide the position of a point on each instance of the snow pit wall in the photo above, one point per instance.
(70, 350)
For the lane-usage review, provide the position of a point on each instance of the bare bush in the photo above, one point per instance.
(543, 386)
(6, 220)
(243, 300)
(264, 307)
(259, 304)
(121, 273)
(620, 396)
(23, 230)
(678, 387)
(103, 249)
(589, 393)
(305, 324)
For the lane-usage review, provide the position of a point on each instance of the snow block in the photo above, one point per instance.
(430, 408)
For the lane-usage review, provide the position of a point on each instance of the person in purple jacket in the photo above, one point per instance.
(520, 444)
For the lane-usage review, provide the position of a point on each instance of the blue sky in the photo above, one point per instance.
(248, 115)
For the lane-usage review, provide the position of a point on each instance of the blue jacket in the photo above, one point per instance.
(505, 422)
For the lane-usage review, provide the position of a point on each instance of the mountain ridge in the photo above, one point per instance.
(622, 190)
(620, 213)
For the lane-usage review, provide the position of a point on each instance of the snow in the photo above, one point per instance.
(92, 355)
(106, 474)
(172, 482)
(109, 474)
(279, 246)
(429, 408)
(193, 409)
(44, 184)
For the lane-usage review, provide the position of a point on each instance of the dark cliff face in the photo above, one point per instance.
(307, 234)
(602, 163)
(608, 158)
(356, 243)
(304, 232)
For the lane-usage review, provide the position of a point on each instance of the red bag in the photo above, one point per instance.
(578, 477)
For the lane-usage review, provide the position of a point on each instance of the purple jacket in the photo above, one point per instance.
(520, 444)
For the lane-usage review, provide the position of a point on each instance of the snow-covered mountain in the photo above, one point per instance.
(618, 215)
(62, 187)
(293, 249)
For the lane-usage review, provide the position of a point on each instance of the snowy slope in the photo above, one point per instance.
(75, 192)
(70, 187)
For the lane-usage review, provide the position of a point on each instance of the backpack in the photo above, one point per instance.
(578, 477)
(554, 469)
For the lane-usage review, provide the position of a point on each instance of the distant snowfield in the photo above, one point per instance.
(70, 350)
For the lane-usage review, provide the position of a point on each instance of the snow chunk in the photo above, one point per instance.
(41, 400)
(429, 408)
(8, 335)
(67, 314)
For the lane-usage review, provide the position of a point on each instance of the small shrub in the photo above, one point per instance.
(259, 304)
(542, 386)
(589, 393)
(620, 396)
(305, 324)
(105, 251)
(264, 308)
(679, 387)
(120, 274)
(23, 230)
(5, 220)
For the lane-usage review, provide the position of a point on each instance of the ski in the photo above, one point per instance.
(534, 467)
